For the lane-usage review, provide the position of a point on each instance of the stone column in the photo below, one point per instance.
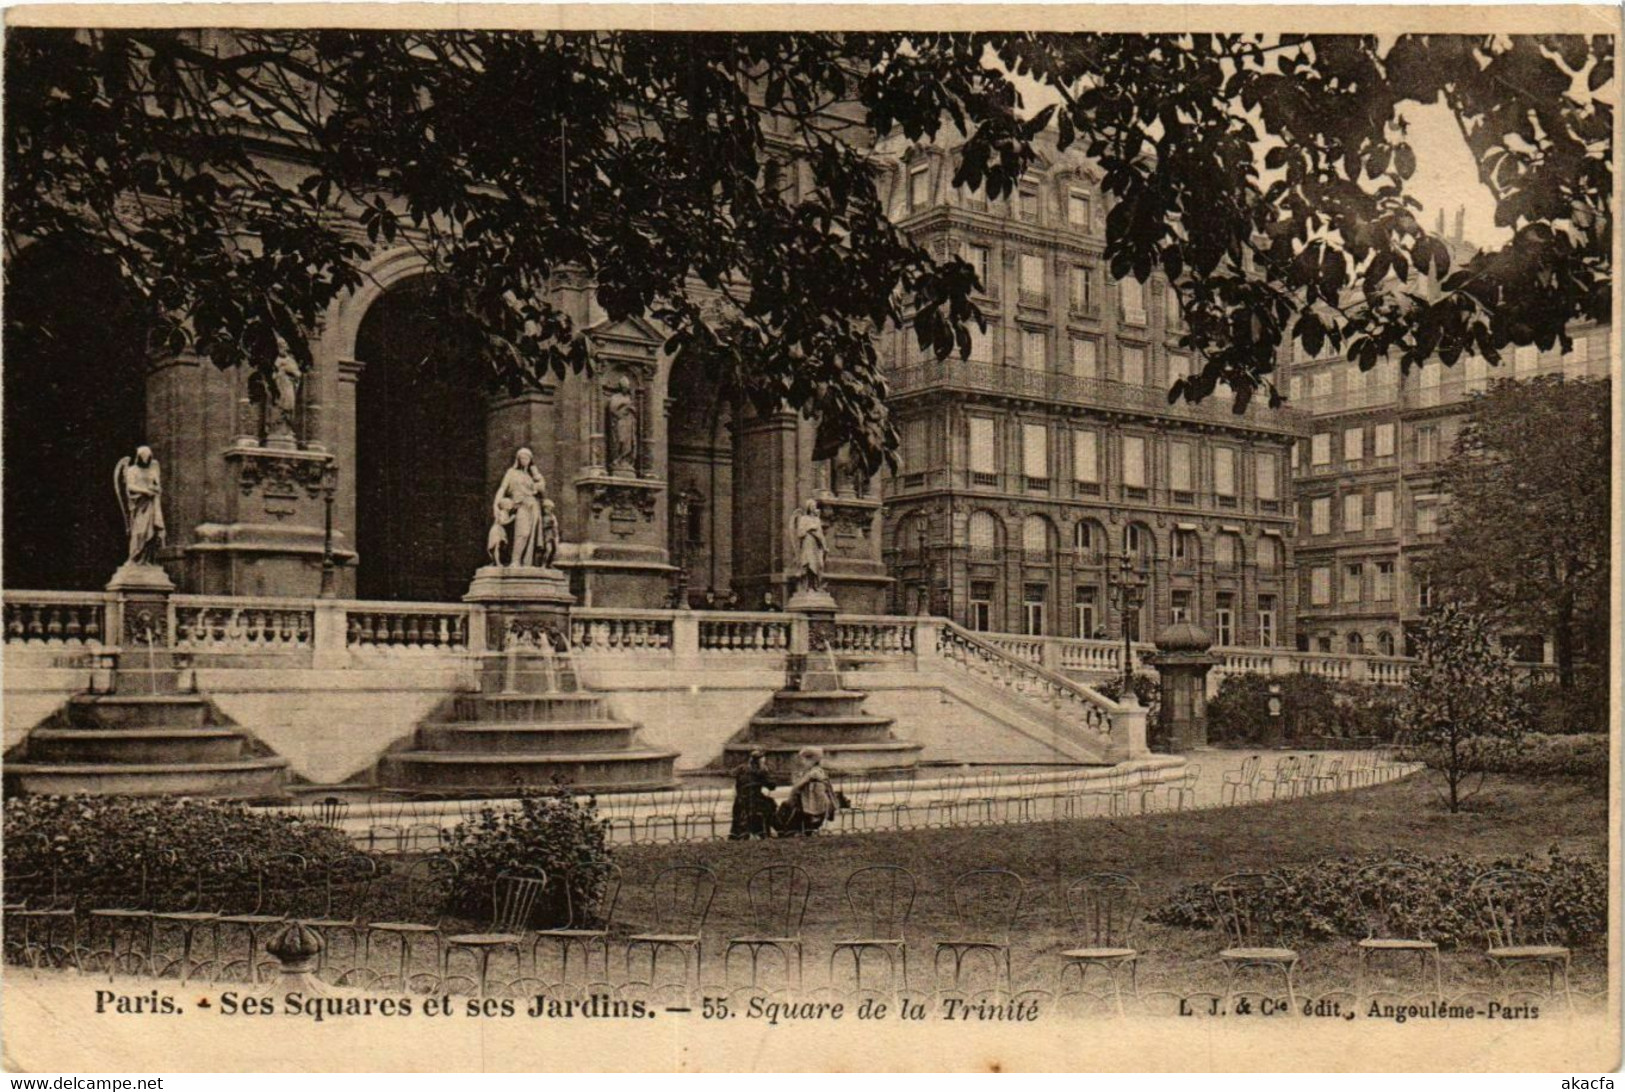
(1182, 662)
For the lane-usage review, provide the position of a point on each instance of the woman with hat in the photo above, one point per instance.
(753, 808)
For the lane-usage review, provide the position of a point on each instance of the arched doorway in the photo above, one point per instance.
(75, 402)
(700, 462)
(421, 507)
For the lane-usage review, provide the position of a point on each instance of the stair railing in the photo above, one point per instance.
(1080, 705)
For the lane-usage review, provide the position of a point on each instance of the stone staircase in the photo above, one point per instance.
(530, 724)
(166, 742)
(816, 710)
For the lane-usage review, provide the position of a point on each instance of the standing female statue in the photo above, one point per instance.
(807, 530)
(519, 499)
(621, 426)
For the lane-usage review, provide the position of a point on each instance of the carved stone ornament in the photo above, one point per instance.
(279, 474)
(848, 521)
(621, 500)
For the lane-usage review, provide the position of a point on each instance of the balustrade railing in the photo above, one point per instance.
(875, 635)
(56, 619)
(405, 627)
(734, 632)
(233, 624)
(1073, 702)
(600, 630)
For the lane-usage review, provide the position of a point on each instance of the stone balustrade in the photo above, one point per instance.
(597, 630)
(65, 620)
(742, 632)
(405, 628)
(236, 624)
(881, 635)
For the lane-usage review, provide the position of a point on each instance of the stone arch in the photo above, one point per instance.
(76, 365)
(419, 469)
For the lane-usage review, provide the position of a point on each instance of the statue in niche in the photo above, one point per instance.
(519, 503)
(139, 487)
(807, 531)
(283, 393)
(621, 426)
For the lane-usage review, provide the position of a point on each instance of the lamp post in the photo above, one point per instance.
(925, 569)
(1129, 589)
(330, 485)
(680, 507)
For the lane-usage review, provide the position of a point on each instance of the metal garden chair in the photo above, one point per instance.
(1246, 906)
(513, 898)
(44, 911)
(342, 902)
(1104, 908)
(130, 918)
(1243, 779)
(1330, 776)
(879, 902)
(777, 896)
(279, 881)
(1284, 776)
(223, 883)
(1515, 912)
(589, 916)
(680, 899)
(986, 903)
(1383, 889)
(402, 898)
(1182, 789)
(949, 799)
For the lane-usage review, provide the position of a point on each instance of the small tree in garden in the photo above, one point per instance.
(1463, 708)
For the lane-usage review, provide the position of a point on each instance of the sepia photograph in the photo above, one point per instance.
(809, 538)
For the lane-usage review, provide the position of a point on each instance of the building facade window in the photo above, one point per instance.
(1224, 619)
(982, 535)
(1132, 294)
(981, 343)
(1320, 449)
(1029, 205)
(1269, 555)
(1268, 477)
(1427, 516)
(919, 187)
(1031, 278)
(1034, 352)
(1427, 444)
(1033, 597)
(1078, 208)
(1180, 606)
(979, 258)
(1356, 645)
(1085, 612)
(1085, 357)
(983, 447)
(1383, 436)
(1224, 471)
(1266, 621)
(981, 606)
(1082, 289)
(1320, 516)
(1383, 588)
(1138, 542)
(1320, 586)
(1181, 365)
(1089, 540)
(1085, 456)
(1134, 365)
(1353, 512)
(1383, 517)
(1353, 445)
(1035, 537)
(1385, 643)
(1353, 576)
(1035, 455)
(1187, 548)
(1179, 467)
(1134, 475)
(1227, 551)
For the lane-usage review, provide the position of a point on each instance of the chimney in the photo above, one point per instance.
(1440, 231)
(1461, 222)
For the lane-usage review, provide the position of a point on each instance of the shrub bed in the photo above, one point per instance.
(549, 832)
(96, 847)
(1580, 757)
(1322, 901)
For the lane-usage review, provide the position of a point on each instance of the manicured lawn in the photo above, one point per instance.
(1162, 852)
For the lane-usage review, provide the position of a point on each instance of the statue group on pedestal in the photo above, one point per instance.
(139, 487)
(522, 504)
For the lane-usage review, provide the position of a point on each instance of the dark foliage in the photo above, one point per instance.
(548, 832)
(97, 847)
(718, 183)
(1324, 900)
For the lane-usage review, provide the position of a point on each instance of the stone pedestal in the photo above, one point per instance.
(524, 605)
(819, 607)
(1182, 662)
(140, 608)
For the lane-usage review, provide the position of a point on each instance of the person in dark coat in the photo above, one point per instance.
(753, 808)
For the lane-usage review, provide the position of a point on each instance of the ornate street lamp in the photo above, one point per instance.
(1129, 591)
(330, 485)
(925, 569)
(679, 514)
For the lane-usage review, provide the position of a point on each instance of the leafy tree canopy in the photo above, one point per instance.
(1528, 533)
(1265, 175)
